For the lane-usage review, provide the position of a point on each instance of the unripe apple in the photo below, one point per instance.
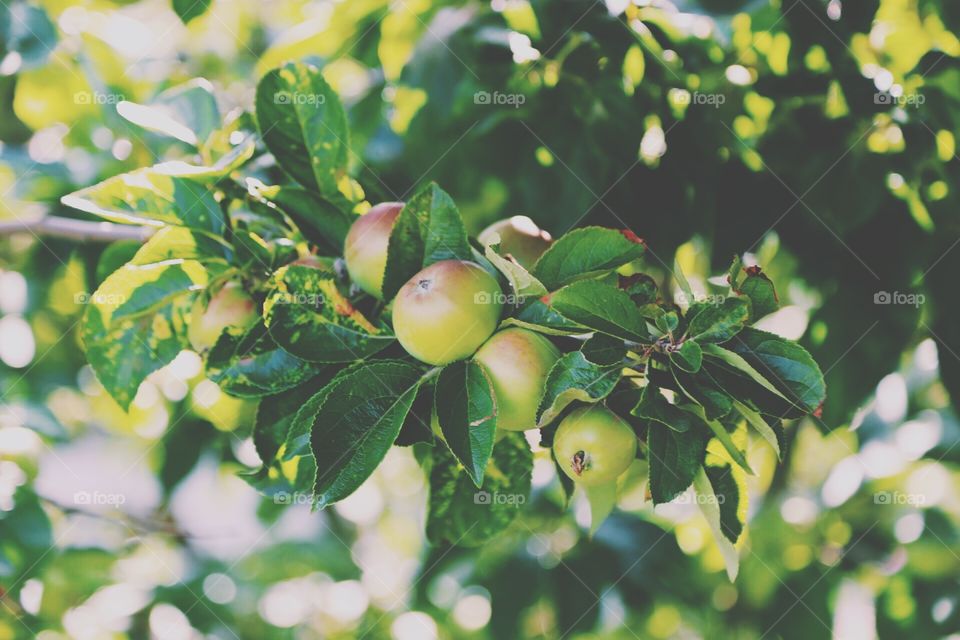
(365, 249)
(231, 306)
(520, 237)
(594, 445)
(446, 311)
(518, 362)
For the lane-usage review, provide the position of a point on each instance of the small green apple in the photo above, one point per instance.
(594, 445)
(231, 306)
(446, 311)
(520, 237)
(365, 249)
(517, 361)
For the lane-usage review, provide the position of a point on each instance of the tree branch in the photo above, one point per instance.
(81, 230)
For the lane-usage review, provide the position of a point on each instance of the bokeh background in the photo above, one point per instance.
(815, 137)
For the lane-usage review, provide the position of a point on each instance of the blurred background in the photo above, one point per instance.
(815, 137)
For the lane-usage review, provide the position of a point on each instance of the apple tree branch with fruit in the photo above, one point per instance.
(358, 333)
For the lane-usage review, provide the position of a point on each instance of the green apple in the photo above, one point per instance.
(594, 445)
(518, 362)
(365, 249)
(231, 306)
(445, 312)
(520, 237)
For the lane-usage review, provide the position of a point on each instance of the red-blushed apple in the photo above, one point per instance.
(445, 312)
(365, 249)
(593, 445)
(231, 306)
(517, 361)
(520, 237)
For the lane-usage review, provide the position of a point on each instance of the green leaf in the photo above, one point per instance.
(732, 503)
(717, 322)
(667, 322)
(674, 460)
(603, 349)
(641, 288)
(309, 317)
(653, 406)
(705, 391)
(357, 424)
(757, 422)
(681, 279)
(459, 513)
(709, 504)
(249, 364)
(187, 112)
(467, 413)
(135, 322)
(304, 125)
(572, 378)
(738, 364)
(760, 290)
(787, 365)
(322, 221)
(429, 229)
(601, 307)
(688, 357)
(297, 441)
(181, 243)
(187, 10)
(522, 283)
(150, 197)
(584, 253)
(724, 437)
(539, 316)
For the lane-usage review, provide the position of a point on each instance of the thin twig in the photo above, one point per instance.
(81, 230)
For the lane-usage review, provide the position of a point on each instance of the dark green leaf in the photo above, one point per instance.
(357, 423)
(467, 413)
(674, 459)
(688, 357)
(322, 221)
(601, 307)
(759, 289)
(572, 378)
(586, 252)
(461, 514)
(717, 322)
(653, 406)
(539, 316)
(304, 125)
(604, 350)
(727, 491)
(190, 9)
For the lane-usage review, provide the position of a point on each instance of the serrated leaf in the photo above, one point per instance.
(687, 357)
(572, 378)
(249, 364)
(135, 323)
(653, 406)
(522, 283)
(730, 499)
(674, 460)
(539, 316)
(309, 317)
(760, 290)
(357, 424)
(717, 322)
(586, 252)
(429, 229)
(736, 362)
(149, 197)
(705, 391)
(304, 125)
(601, 307)
(459, 513)
(710, 507)
(467, 412)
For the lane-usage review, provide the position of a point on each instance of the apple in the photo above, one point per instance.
(445, 312)
(520, 237)
(231, 306)
(365, 249)
(517, 361)
(593, 445)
